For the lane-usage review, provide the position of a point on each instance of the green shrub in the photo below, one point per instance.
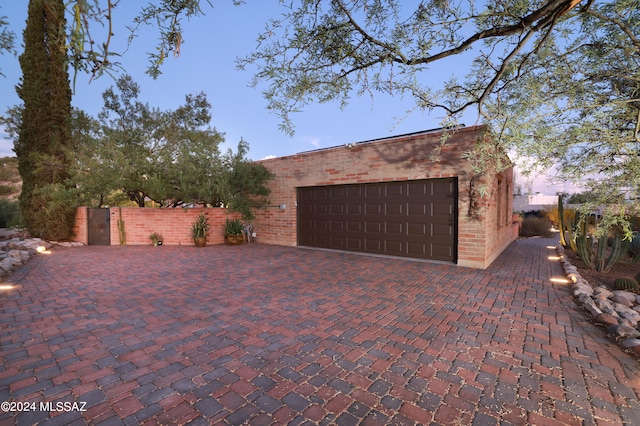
(535, 226)
(9, 214)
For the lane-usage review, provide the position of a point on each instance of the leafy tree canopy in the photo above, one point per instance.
(7, 38)
(556, 79)
(169, 157)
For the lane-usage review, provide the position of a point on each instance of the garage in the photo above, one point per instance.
(414, 218)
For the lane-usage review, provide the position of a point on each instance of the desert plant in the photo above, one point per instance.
(634, 248)
(598, 259)
(199, 229)
(561, 222)
(156, 239)
(121, 232)
(626, 283)
(233, 227)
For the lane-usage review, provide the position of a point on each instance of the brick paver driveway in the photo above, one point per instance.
(274, 335)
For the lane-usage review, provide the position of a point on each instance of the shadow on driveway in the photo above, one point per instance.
(265, 335)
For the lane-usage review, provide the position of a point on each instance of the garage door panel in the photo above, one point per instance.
(337, 225)
(417, 249)
(441, 209)
(441, 230)
(373, 209)
(440, 252)
(355, 244)
(395, 189)
(419, 209)
(407, 218)
(354, 209)
(417, 188)
(392, 228)
(394, 208)
(373, 245)
(417, 229)
(394, 248)
(338, 243)
(353, 226)
(373, 227)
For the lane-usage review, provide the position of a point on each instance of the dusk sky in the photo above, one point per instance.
(207, 63)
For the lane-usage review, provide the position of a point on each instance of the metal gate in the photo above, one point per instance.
(99, 226)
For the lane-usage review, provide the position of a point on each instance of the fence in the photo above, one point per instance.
(174, 225)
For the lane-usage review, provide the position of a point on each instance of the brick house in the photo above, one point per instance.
(389, 197)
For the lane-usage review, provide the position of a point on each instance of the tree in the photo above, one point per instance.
(579, 108)
(163, 156)
(244, 182)
(169, 157)
(557, 80)
(328, 50)
(44, 132)
(7, 38)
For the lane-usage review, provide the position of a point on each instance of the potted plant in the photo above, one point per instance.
(156, 239)
(199, 230)
(233, 232)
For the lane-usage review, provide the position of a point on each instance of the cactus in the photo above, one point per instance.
(619, 248)
(629, 284)
(634, 248)
(121, 233)
(597, 259)
(583, 242)
(563, 240)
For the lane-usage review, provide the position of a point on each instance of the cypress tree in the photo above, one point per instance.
(45, 132)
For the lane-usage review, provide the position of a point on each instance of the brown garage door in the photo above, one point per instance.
(415, 219)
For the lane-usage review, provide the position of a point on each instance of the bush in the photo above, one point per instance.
(9, 214)
(535, 226)
(49, 212)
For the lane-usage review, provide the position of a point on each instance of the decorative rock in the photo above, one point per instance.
(626, 294)
(632, 344)
(626, 312)
(621, 300)
(602, 293)
(606, 306)
(70, 244)
(580, 288)
(17, 251)
(623, 331)
(606, 319)
(589, 305)
(619, 310)
(6, 265)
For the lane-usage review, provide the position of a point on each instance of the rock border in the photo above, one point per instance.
(16, 251)
(618, 311)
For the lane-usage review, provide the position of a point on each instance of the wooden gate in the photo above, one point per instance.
(99, 227)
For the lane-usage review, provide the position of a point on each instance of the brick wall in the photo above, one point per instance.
(174, 225)
(80, 227)
(404, 158)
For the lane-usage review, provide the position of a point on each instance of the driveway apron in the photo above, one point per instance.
(268, 335)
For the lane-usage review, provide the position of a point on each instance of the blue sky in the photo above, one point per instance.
(207, 63)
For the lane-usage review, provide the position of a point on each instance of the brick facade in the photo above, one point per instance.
(484, 223)
(482, 233)
(174, 225)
